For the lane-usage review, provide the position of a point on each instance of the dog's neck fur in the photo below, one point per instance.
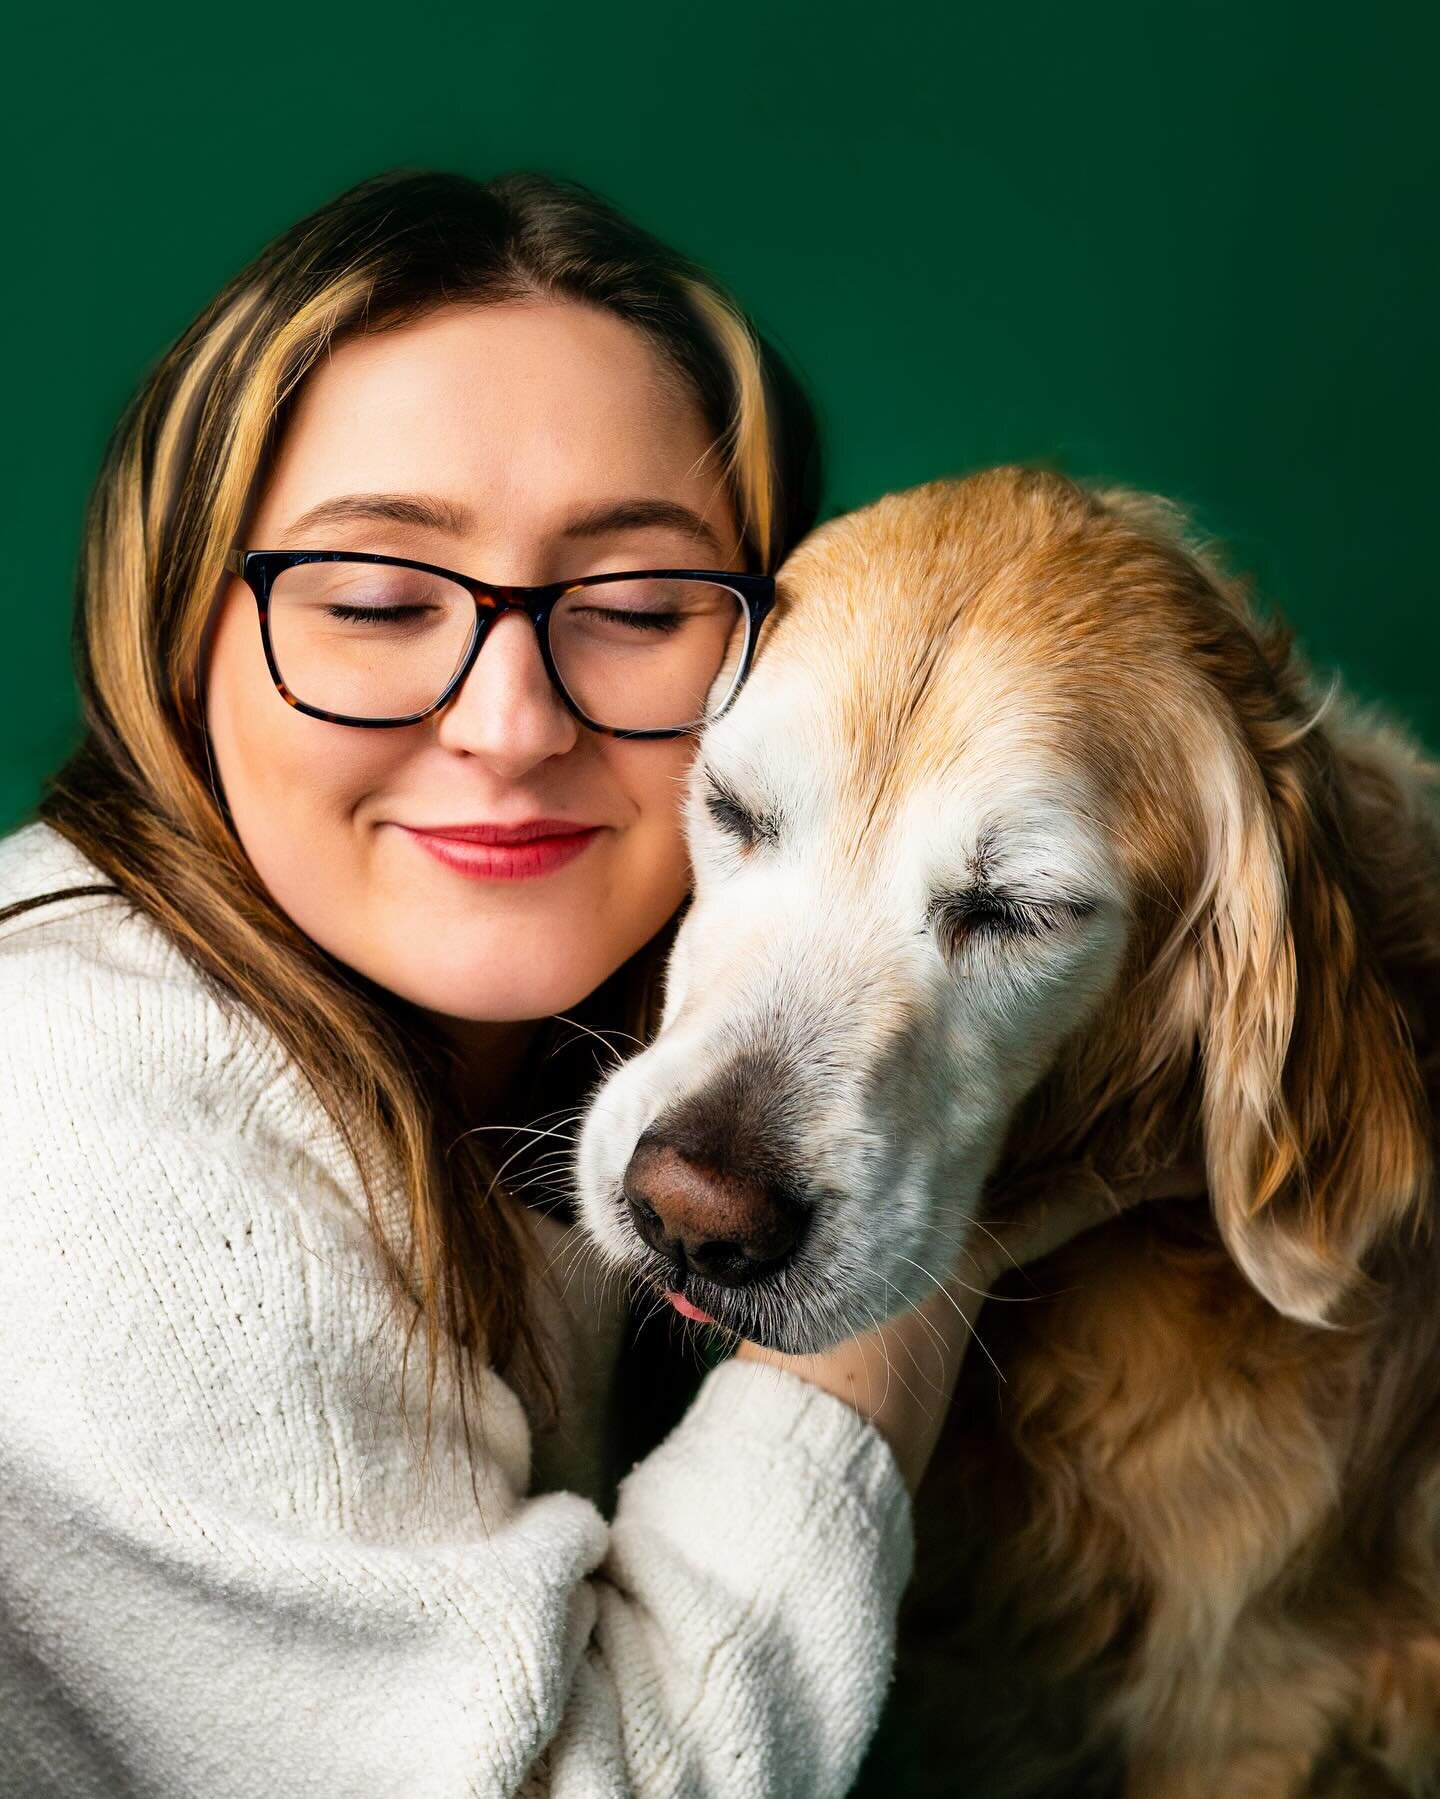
(1156, 1533)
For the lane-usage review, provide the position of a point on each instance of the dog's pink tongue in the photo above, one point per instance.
(683, 1306)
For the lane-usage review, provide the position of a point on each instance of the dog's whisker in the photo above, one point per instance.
(1000, 1299)
(969, 1325)
(929, 1379)
(552, 1169)
(980, 1225)
(510, 1130)
(601, 1037)
(499, 1173)
(892, 1372)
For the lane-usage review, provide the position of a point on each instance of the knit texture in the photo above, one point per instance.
(220, 1573)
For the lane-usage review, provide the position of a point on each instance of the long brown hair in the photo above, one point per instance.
(182, 472)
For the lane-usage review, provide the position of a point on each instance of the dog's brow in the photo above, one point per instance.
(727, 786)
(982, 862)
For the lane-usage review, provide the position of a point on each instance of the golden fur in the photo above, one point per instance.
(1192, 1545)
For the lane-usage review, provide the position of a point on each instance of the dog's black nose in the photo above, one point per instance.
(726, 1225)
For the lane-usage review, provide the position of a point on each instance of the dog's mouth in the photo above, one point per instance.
(794, 1310)
(737, 1313)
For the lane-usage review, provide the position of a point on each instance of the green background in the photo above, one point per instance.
(1188, 249)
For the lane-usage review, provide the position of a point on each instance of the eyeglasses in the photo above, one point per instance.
(377, 641)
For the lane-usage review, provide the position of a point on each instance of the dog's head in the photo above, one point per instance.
(1022, 845)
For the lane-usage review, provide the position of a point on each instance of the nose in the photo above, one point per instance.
(722, 1223)
(507, 711)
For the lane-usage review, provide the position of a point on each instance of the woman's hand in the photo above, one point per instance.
(902, 1375)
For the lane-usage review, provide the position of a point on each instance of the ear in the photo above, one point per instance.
(1316, 1138)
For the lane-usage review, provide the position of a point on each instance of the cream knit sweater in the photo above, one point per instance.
(219, 1572)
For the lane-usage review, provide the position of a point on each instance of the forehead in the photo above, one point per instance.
(984, 660)
(512, 407)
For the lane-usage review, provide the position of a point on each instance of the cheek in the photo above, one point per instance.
(652, 778)
(292, 783)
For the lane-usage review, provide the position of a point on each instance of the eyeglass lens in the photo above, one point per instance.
(370, 641)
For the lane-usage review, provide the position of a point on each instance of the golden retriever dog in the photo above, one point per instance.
(1030, 855)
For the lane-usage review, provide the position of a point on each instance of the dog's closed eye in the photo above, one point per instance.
(993, 913)
(733, 817)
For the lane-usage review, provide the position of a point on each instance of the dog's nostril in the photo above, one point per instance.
(651, 1226)
(721, 1261)
(733, 1264)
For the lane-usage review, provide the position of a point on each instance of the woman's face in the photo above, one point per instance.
(543, 441)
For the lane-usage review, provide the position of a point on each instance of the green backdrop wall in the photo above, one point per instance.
(1186, 248)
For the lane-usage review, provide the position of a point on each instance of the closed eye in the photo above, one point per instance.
(733, 817)
(618, 621)
(981, 914)
(376, 615)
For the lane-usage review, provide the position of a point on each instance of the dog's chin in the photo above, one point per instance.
(769, 1312)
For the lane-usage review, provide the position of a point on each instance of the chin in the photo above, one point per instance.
(480, 1002)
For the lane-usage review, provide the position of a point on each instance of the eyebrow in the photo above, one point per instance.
(425, 510)
(639, 515)
(432, 513)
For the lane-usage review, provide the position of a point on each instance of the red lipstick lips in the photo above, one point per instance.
(493, 852)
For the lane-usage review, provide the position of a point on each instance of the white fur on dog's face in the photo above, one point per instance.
(850, 953)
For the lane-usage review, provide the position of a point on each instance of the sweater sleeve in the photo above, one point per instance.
(221, 1571)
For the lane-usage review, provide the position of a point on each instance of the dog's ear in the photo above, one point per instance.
(1313, 1110)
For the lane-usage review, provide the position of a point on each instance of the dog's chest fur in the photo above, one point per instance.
(1188, 1547)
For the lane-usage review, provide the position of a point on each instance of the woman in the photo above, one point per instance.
(271, 974)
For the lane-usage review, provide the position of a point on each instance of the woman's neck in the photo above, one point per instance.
(491, 1060)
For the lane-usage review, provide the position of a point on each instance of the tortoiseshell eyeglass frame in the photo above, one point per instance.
(258, 569)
